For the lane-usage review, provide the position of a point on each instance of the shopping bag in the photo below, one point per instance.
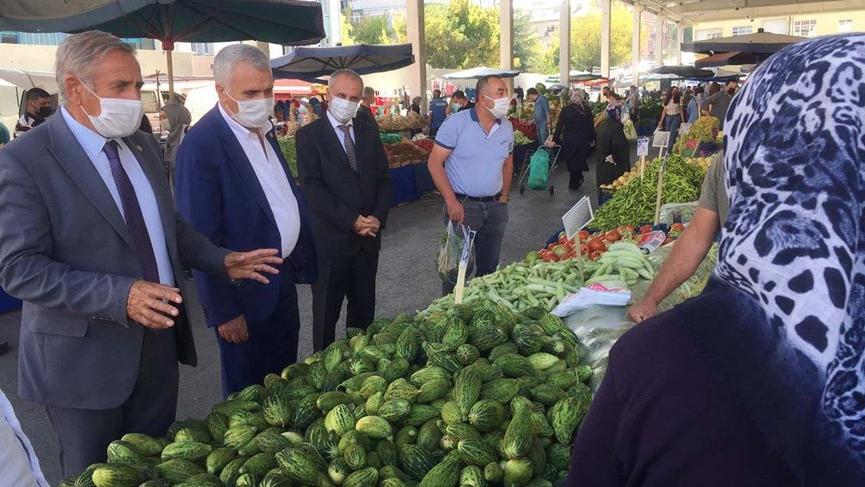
(457, 245)
(629, 129)
(539, 170)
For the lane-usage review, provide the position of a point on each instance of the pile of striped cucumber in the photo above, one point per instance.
(623, 262)
(476, 395)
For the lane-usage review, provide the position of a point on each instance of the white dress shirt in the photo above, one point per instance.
(92, 143)
(339, 133)
(273, 180)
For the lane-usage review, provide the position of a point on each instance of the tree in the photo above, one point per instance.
(375, 29)
(527, 47)
(461, 35)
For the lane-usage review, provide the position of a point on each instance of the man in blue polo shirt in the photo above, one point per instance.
(472, 166)
(438, 108)
(542, 114)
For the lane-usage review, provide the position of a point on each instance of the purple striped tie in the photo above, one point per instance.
(132, 211)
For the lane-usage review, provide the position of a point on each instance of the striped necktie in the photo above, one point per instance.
(349, 146)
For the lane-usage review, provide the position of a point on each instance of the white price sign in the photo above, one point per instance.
(642, 146)
(578, 217)
(661, 139)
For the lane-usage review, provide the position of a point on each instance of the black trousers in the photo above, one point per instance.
(351, 277)
(272, 344)
(84, 434)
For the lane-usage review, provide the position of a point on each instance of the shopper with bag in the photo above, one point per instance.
(472, 167)
(575, 131)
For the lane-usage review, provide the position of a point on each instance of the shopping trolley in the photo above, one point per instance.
(554, 162)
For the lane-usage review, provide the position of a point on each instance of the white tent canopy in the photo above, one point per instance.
(26, 80)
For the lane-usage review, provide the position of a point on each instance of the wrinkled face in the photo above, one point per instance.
(246, 83)
(116, 75)
(347, 88)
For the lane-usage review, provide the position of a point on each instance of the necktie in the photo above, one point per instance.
(349, 146)
(132, 211)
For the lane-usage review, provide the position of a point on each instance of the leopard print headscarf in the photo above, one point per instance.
(795, 237)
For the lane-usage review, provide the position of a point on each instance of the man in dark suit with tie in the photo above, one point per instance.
(90, 241)
(234, 186)
(344, 173)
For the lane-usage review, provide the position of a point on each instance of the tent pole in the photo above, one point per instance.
(170, 65)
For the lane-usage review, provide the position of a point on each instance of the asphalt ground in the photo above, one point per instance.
(406, 282)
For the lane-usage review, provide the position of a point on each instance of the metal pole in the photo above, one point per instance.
(635, 44)
(565, 43)
(170, 74)
(606, 12)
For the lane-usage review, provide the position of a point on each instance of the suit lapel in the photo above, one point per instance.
(83, 173)
(238, 159)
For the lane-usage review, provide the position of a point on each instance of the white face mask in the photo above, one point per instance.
(343, 110)
(500, 109)
(118, 117)
(253, 114)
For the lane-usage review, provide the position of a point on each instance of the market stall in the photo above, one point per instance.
(486, 391)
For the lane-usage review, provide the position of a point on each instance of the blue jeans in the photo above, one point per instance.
(542, 132)
(671, 124)
(489, 221)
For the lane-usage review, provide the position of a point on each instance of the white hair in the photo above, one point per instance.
(79, 53)
(339, 73)
(230, 56)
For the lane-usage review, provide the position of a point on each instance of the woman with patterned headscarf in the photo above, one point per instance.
(575, 132)
(761, 379)
(613, 149)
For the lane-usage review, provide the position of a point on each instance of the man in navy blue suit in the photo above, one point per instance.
(234, 186)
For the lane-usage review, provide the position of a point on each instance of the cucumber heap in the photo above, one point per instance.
(474, 396)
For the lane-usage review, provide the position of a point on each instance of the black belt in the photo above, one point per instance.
(479, 199)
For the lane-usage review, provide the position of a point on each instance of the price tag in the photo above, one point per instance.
(661, 140)
(578, 217)
(642, 146)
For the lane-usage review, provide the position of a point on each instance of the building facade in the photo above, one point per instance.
(804, 25)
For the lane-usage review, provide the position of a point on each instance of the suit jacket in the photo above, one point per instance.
(336, 193)
(217, 190)
(364, 114)
(66, 252)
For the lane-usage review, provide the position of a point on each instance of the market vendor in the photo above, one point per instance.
(472, 167)
(759, 380)
(692, 246)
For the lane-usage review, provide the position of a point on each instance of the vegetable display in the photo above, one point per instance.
(403, 153)
(701, 162)
(635, 202)
(476, 394)
(425, 144)
(529, 129)
(288, 145)
(521, 139)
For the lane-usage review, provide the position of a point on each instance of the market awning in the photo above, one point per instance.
(30, 79)
(312, 63)
(760, 42)
(684, 71)
(732, 58)
(480, 72)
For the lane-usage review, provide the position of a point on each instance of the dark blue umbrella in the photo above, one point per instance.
(312, 63)
(288, 22)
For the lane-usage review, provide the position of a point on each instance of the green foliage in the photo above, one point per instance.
(461, 35)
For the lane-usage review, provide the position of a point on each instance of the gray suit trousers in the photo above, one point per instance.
(84, 434)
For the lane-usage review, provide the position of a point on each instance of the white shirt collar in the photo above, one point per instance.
(336, 123)
(90, 141)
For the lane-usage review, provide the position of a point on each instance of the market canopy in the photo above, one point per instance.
(732, 58)
(684, 71)
(480, 72)
(759, 42)
(312, 63)
(287, 22)
(30, 79)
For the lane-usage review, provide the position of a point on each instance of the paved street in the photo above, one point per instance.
(406, 282)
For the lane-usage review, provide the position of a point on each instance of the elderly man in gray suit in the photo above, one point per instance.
(89, 239)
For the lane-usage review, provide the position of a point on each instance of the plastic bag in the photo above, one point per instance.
(677, 212)
(539, 170)
(630, 130)
(457, 244)
(594, 296)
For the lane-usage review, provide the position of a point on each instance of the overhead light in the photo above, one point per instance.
(672, 4)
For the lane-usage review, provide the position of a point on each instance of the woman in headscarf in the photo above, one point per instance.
(760, 381)
(179, 119)
(613, 149)
(575, 132)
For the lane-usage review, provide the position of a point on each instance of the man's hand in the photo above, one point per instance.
(456, 212)
(250, 265)
(234, 331)
(643, 310)
(366, 226)
(148, 304)
(504, 198)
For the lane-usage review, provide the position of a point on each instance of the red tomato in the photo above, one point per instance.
(613, 236)
(563, 240)
(584, 249)
(677, 227)
(551, 246)
(645, 229)
(548, 257)
(596, 244)
(595, 255)
(584, 235)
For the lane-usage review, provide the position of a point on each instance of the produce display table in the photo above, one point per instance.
(8, 303)
(404, 188)
(422, 178)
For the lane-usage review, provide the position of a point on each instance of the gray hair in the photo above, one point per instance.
(230, 56)
(79, 53)
(339, 73)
